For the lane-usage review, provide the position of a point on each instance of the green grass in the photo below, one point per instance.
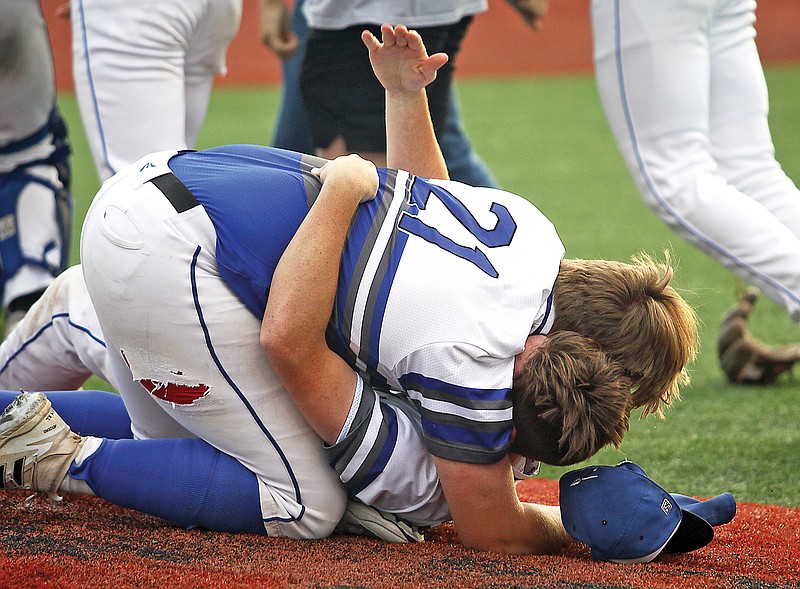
(547, 139)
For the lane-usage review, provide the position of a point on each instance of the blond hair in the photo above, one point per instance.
(638, 319)
(570, 399)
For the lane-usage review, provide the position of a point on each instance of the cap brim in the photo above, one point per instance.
(694, 532)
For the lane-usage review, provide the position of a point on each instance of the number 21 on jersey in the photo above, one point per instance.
(498, 236)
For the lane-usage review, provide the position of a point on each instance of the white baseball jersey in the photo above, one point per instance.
(440, 283)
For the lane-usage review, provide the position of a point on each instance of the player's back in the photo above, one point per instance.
(439, 287)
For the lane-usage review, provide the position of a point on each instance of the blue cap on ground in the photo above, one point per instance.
(626, 517)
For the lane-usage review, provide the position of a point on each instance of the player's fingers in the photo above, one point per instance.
(370, 40)
(388, 35)
(432, 65)
(401, 35)
(414, 41)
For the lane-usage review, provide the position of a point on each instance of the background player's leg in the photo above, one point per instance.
(216, 25)
(741, 141)
(128, 64)
(653, 68)
(58, 344)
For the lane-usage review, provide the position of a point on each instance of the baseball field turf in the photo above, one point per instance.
(546, 138)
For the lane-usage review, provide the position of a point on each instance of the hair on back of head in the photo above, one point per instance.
(634, 314)
(570, 400)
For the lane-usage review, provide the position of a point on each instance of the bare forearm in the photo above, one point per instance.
(411, 144)
(552, 537)
(488, 514)
(537, 529)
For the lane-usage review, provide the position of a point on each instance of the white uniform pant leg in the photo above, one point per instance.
(129, 64)
(653, 66)
(194, 352)
(58, 344)
(741, 142)
(205, 57)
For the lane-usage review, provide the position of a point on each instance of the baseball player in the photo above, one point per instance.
(685, 95)
(55, 344)
(35, 203)
(209, 229)
(144, 71)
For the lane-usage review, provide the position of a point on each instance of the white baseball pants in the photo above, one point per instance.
(684, 91)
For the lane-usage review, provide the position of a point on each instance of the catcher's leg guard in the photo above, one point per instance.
(36, 213)
(35, 230)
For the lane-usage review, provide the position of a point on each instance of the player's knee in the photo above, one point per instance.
(322, 513)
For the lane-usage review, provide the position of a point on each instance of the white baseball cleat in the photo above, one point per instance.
(36, 446)
(365, 520)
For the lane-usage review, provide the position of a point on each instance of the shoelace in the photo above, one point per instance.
(55, 498)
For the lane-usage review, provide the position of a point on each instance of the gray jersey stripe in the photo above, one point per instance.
(363, 257)
(475, 404)
(374, 289)
(340, 455)
(448, 396)
(464, 452)
(311, 183)
(363, 471)
(466, 423)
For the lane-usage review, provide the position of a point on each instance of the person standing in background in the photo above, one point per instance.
(144, 72)
(684, 92)
(285, 31)
(35, 201)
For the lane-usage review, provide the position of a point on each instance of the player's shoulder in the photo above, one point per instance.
(481, 194)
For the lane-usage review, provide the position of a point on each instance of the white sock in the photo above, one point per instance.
(70, 485)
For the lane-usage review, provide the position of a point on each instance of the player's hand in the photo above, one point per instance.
(276, 31)
(532, 11)
(400, 61)
(353, 174)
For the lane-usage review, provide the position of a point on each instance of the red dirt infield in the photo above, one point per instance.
(88, 543)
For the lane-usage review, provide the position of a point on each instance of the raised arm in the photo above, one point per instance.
(302, 294)
(403, 67)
